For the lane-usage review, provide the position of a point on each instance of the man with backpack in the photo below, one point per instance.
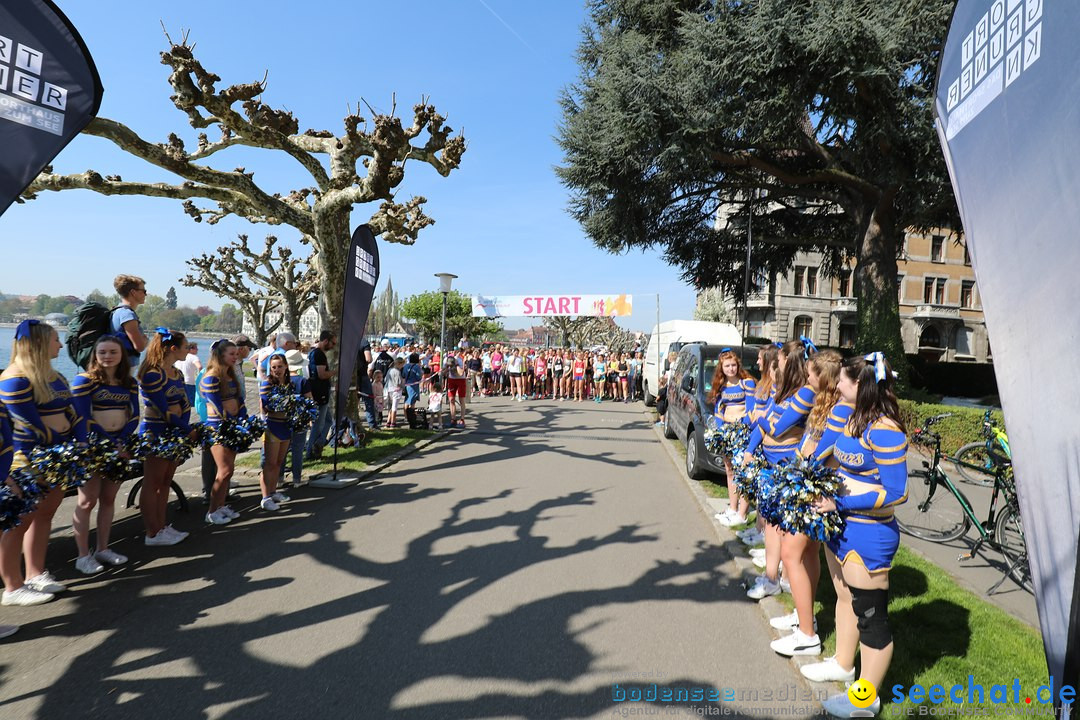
(320, 374)
(91, 320)
(412, 375)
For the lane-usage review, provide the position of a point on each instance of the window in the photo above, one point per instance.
(930, 337)
(804, 324)
(845, 282)
(759, 281)
(811, 281)
(934, 291)
(900, 288)
(937, 248)
(967, 294)
(756, 328)
(847, 335)
(798, 281)
(964, 336)
(967, 255)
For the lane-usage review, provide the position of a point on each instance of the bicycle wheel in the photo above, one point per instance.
(931, 512)
(968, 462)
(1009, 538)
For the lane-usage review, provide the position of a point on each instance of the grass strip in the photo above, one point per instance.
(380, 444)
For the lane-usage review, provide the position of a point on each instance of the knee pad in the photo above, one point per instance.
(871, 609)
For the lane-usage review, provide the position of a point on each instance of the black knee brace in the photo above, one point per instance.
(872, 611)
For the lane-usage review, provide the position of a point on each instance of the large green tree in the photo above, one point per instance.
(425, 310)
(817, 112)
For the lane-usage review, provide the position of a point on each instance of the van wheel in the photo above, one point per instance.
(668, 432)
(650, 399)
(693, 456)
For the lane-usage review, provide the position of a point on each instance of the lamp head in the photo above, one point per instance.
(445, 279)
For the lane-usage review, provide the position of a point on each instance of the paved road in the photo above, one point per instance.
(517, 570)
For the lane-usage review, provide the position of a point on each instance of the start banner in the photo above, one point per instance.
(549, 305)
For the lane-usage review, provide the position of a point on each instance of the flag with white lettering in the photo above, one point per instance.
(361, 275)
(1007, 115)
(49, 90)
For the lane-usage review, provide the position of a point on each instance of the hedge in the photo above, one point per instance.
(963, 427)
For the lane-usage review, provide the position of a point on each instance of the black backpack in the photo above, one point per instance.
(90, 321)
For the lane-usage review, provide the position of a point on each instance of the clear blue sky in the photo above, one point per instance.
(493, 67)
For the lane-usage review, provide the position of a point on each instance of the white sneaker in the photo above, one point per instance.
(280, 497)
(757, 552)
(764, 587)
(45, 583)
(731, 519)
(269, 505)
(753, 538)
(789, 621)
(88, 565)
(178, 534)
(828, 670)
(217, 517)
(797, 644)
(162, 538)
(759, 561)
(784, 584)
(841, 706)
(228, 512)
(25, 596)
(110, 557)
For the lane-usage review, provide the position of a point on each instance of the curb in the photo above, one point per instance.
(770, 606)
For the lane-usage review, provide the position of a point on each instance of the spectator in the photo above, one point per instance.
(262, 354)
(298, 365)
(412, 375)
(364, 388)
(320, 373)
(125, 323)
(394, 391)
(190, 367)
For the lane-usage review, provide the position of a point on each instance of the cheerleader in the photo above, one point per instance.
(38, 400)
(872, 458)
(732, 398)
(799, 554)
(279, 433)
(778, 433)
(6, 451)
(220, 388)
(106, 395)
(165, 404)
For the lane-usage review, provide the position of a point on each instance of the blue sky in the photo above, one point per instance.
(493, 67)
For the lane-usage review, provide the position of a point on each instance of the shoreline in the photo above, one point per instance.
(190, 333)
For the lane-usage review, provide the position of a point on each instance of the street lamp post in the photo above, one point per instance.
(445, 279)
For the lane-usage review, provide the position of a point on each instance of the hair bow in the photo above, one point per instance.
(22, 331)
(165, 333)
(779, 344)
(724, 350)
(808, 346)
(879, 365)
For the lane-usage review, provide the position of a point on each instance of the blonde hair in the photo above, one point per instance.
(826, 365)
(126, 284)
(157, 349)
(30, 359)
(217, 366)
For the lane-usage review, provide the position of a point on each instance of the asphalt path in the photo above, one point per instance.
(537, 565)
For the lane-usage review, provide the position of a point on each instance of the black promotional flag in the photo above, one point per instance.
(49, 90)
(361, 274)
(1008, 119)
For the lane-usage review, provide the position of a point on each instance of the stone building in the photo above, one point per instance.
(940, 310)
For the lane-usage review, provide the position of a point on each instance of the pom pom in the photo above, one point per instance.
(237, 434)
(107, 458)
(748, 475)
(172, 444)
(796, 485)
(730, 439)
(299, 411)
(20, 500)
(65, 465)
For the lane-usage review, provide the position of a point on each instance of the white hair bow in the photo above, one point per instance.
(879, 365)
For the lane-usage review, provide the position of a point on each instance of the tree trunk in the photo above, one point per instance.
(876, 283)
(292, 315)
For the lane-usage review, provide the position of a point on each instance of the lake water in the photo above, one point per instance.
(63, 363)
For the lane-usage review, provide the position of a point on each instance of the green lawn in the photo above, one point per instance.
(379, 445)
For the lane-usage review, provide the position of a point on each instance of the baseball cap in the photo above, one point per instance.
(242, 339)
(385, 343)
(297, 361)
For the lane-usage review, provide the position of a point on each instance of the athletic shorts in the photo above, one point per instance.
(279, 430)
(455, 387)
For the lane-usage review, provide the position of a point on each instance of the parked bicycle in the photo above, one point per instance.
(973, 461)
(936, 510)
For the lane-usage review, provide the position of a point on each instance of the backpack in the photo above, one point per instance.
(89, 322)
(383, 363)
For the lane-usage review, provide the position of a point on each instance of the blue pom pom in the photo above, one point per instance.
(798, 483)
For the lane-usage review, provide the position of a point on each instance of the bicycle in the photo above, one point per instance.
(972, 461)
(929, 514)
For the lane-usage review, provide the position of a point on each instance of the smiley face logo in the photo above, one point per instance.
(862, 693)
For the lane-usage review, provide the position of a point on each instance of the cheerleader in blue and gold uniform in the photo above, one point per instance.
(107, 396)
(6, 453)
(279, 430)
(872, 457)
(800, 554)
(39, 402)
(732, 398)
(778, 433)
(165, 405)
(220, 388)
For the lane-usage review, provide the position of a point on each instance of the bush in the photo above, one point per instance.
(963, 427)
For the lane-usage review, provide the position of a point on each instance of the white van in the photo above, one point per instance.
(671, 336)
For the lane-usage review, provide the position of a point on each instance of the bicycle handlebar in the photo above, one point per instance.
(937, 418)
